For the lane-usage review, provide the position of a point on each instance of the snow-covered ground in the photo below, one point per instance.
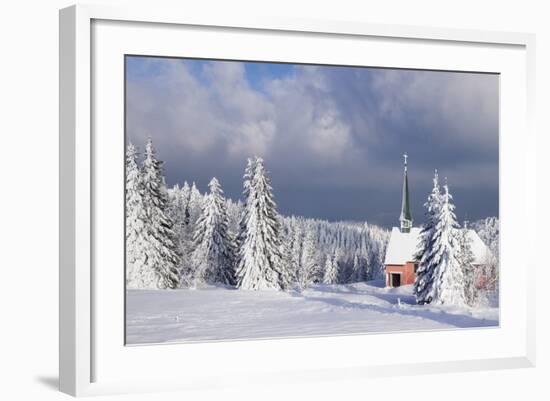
(218, 313)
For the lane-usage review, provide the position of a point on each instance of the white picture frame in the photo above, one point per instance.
(93, 358)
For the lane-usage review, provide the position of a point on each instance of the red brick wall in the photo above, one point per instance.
(407, 273)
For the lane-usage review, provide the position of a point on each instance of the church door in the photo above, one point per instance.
(395, 279)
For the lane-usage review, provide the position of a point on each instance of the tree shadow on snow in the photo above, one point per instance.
(391, 297)
(396, 298)
(456, 320)
(341, 289)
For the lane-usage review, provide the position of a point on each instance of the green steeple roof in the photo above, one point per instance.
(406, 217)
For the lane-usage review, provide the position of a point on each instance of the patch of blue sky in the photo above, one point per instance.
(257, 73)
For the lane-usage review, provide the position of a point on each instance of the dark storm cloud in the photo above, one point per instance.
(332, 137)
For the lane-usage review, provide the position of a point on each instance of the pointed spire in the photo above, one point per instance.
(405, 218)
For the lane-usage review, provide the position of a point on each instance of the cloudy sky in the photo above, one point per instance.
(332, 137)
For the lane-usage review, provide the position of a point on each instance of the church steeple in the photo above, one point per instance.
(405, 219)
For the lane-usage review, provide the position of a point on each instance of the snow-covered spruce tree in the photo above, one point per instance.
(185, 235)
(135, 227)
(287, 271)
(359, 268)
(234, 211)
(214, 253)
(185, 198)
(192, 203)
(260, 260)
(245, 212)
(331, 271)
(465, 257)
(448, 279)
(162, 259)
(425, 255)
(286, 260)
(363, 254)
(309, 270)
(296, 250)
(341, 261)
(195, 205)
(176, 213)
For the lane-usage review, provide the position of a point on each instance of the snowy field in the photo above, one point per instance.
(217, 313)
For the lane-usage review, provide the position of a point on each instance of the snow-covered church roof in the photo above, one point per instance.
(402, 246)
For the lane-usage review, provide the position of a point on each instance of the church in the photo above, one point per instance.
(400, 264)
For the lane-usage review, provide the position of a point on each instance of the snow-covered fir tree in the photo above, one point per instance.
(362, 253)
(287, 271)
(260, 259)
(296, 235)
(234, 210)
(195, 205)
(244, 214)
(331, 271)
(185, 235)
(425, 255)
(162, 259)
(465, 257)
(448, 278)
(185, 199)
(135, 226)
(192, 201)
(359, 268)
(214, 253)
(309, 270)
(176, 213)
(287, 261)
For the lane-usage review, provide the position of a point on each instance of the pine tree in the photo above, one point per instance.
(358, 271)
(309, 269)
(162, 258)
(186, 237)
(296, 251)
(465, 257)
(287, 271)
(176, 213)
(135, 216)
(260, 259)
(341, 262)
(424, 254)
(448, 279)
(185, 198)
(194, 207)
(331, 271)
(214, 247)
(248, 177)
(234, 211)
(363, 253)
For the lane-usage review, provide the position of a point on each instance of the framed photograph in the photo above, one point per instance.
(298, 200)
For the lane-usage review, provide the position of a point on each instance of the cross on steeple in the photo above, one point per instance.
(405, 219)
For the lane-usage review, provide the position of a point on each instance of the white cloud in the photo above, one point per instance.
(201, 113)
(319, 127)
